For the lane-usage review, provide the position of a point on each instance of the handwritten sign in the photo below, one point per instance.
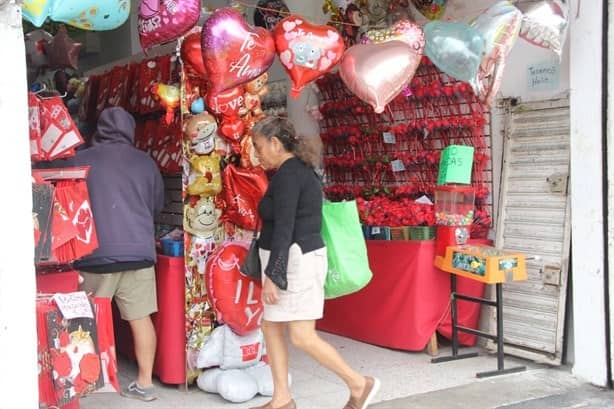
(389, 137)
(455, 165)
(74, 305)
(544, 76)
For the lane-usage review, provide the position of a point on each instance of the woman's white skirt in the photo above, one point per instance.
(304, 298)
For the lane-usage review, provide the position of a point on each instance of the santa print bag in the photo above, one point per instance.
(348, 263)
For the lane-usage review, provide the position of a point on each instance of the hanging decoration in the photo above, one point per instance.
(254, 92)
(455, 48)
(270, 13)
(200, 131)
(306, 51)
(86, 15)
(201, 218)
(161, 21)
(243, 189)
(376, 73)
(229, 106)
(499, 25)
(192, 54)
(62, 51)
(205, 179)
(169, 97)
(545, 23)
(233, 52)
(431, 9)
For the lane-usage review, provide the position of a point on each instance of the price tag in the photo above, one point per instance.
(74, 305)
(397, 165)
(389, 137)
(375, 230)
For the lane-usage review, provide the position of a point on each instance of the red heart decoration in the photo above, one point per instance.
(192, 54)
(305, 50)
(234, 297)
(229, 106)
(234, 52)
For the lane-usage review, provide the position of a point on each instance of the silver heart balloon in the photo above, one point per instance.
(545, 24)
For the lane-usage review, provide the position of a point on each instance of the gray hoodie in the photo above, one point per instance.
(126, 191)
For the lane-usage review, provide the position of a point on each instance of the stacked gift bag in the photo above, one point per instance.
(76, 348)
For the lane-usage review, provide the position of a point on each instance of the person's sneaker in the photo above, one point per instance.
(134, 391)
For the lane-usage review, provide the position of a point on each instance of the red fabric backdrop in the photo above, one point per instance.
(405, 302)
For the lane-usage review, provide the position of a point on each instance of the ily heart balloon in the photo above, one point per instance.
(376, 73)
(234, 297)
(163, 21)
(233, 52)
(192, 55)
(306, 51)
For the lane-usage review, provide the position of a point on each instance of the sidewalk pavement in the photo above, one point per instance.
(409, 380)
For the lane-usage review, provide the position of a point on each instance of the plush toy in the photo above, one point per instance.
(237, 372)
(254, 91)
(205, 179)
(200, 130)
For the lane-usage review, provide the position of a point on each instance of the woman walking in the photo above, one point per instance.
(293, 258)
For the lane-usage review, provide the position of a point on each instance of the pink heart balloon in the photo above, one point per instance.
(233, 52)
(161, 21)
(376, 73)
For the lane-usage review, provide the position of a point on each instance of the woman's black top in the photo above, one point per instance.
(291, 212)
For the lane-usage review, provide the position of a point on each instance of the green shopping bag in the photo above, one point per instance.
(348, 264)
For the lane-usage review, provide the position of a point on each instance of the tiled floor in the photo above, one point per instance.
(402, 374)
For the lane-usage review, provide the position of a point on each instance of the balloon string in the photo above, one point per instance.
(468, 13)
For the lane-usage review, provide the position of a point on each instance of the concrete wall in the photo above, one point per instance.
(17, 288)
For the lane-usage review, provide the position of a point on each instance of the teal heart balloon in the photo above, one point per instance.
(455, 48)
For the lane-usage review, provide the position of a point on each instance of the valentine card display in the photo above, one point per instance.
(392, 159)
(233, 52)
(235, 297)
(306, 51)
(161, 21)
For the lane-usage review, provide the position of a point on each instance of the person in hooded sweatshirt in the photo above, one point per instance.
(126, 191)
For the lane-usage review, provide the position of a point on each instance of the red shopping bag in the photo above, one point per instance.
(106, 344)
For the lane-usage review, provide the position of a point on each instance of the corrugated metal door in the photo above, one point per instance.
(534, 218)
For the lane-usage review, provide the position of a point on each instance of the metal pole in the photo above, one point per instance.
(453, 312)
(500, 362)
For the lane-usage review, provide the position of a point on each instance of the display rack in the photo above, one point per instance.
(396, 153)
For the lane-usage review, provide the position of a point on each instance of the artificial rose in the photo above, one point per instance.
(90, 367)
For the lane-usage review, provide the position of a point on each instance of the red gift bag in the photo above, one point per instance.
(243, 189)
(106, 344)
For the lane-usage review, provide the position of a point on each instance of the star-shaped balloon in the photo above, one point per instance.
(62, 51)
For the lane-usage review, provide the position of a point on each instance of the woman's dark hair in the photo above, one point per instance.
(307, 149)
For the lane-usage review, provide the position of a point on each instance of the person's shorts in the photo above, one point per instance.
(134, 291)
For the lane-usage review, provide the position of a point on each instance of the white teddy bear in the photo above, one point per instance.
(237, 372)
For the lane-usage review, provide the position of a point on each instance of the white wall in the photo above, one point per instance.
(18, 376)
(586, 194)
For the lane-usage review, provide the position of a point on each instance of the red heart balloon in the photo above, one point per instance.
(234, 297)
(243, 190)
(305, 50)
(192, 55)
(229, 106)
(233, 52)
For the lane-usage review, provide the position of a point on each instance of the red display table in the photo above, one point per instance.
(406, 301)
(169, 321)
